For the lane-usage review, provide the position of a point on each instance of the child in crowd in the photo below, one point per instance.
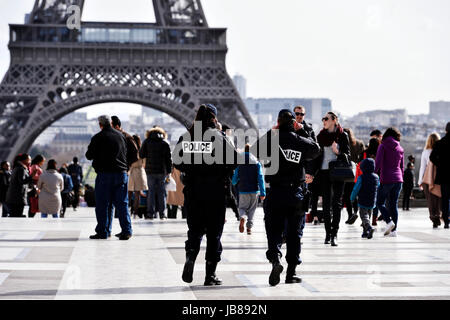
(366, 190)
(251, 181)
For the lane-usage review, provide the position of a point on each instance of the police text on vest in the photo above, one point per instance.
(292, 155)
(197, 147)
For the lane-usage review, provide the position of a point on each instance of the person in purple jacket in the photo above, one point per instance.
(389, 166)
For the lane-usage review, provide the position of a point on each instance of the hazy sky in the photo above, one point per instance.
(362, 54)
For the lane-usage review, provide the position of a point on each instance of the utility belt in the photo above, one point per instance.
(285, 184)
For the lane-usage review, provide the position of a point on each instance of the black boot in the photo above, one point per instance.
(327, 238)
(291, 277)
(274, 277)
(188, 269)
(352, 219)
(334, 241)
(211, 279)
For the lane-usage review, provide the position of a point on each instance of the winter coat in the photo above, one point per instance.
(440, 156)
(366, 186)
(249, 176)
(17, 191)
(344, 152)
(68, 185)
(108, 150)
(156, 151)
(307, 132)
(137, 179)
(389, 161)
(408, 178)
(76, 173)
(50, 184)
(291, 170)
(5, 178)
(176, 198)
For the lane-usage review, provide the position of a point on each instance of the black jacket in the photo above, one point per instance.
(194, 166)
(344, 152)
(440, 156)
(156, 151)
(289, 172)
(76, 173)
(307, 132)
(17, 191)
(408, 178)
(5, 177)
(108, 150)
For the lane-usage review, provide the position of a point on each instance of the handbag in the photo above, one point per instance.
(342, 171)
(171, 185)
(428, 178)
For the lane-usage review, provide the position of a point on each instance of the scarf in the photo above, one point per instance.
(326, 138)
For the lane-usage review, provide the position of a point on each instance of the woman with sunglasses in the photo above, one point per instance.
(334, 145)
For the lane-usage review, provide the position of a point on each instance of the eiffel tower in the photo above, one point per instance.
(173, 65)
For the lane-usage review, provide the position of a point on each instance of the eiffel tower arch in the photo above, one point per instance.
(173, 65)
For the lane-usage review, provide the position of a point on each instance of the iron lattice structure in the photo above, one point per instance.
(173, 65)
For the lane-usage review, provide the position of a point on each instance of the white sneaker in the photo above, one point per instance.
(393, 234)
(389, 227)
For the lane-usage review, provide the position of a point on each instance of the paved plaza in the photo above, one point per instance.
(55, 259)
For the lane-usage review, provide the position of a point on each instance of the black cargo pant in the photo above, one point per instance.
(283, 211)
(205, 205)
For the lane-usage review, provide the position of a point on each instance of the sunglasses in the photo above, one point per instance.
(325, 119)
(299, 114)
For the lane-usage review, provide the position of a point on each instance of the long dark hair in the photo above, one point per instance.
(351, 136)
(137, 139)
(392, 132)
(38, 159)
(51, 165)
(372, 149)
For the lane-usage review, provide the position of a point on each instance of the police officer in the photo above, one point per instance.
(200, 155)
(284, 201)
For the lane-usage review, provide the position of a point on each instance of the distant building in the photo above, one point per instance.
(380, 117)
(440, 110)
(241, 85)
(70, 143)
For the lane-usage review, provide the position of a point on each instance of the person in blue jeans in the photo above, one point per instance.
(108, 150)
(389, 164)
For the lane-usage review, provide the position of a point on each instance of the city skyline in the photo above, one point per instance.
(360, 54)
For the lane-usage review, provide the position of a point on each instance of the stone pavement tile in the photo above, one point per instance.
(55, 259)
(28, 284)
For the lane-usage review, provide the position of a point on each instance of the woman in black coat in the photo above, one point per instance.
(334, 145)
(16, 197)
(5, 178)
